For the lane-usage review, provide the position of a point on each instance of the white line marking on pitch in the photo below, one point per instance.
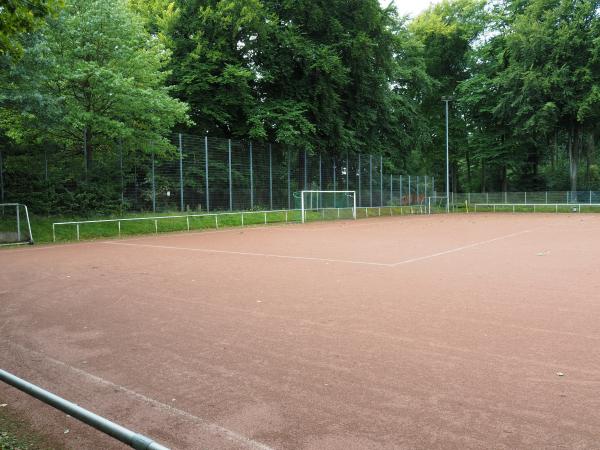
(458, 249)
(212, 427)
(266, 255)
(310, 258)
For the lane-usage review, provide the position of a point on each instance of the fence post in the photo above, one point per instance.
(347, 172)
(305, 170)
(590, 197)
(371, 181)
(153, 186)
(418, 201)
(401, 199)
(181, 172)
(271, 176)
(289, 182)
(120, 167)
(320, 182)
(206, 186)
(391, 189)
(251, 179)
(230, 178)
(505, 197)
(525, 197)
(1, 179)
(380, 180)
(409, 192)
(359, 183)
(334, 185)
(425, 186)
(546, 197)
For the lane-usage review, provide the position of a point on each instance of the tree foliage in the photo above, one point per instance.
(335, 77)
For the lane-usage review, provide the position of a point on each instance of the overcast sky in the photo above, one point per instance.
(410, 7)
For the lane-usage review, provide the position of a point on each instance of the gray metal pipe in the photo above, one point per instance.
(126, 436)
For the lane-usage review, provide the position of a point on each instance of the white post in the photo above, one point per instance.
(155, 226)
(18, 223)
(546, 197)
(216, 222)
(302, 206)
(187, 219)
(77, 231)
(354, 205)
(119, 223)
(53, 233)
(265, 218)
(243, 218)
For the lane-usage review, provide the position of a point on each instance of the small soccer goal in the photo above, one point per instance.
(15, 227)
(437, 205)
(323, 205)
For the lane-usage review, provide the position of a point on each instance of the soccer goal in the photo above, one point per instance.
(15, 227)
(437, 205)
(316, 205)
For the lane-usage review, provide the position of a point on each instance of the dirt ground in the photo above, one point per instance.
(421, 332)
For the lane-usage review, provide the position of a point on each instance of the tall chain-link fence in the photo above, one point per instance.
(202, 174)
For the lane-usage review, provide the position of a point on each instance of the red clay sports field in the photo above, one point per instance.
(420, 332)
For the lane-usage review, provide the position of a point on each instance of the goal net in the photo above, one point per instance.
(437, 205)
(320, 205)
(15, 227)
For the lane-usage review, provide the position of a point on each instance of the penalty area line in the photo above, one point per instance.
(459, 249)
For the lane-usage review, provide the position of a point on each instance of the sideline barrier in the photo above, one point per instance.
(534, 207)
(122, 434)
(286, 217)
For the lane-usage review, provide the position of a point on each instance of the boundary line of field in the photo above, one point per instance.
(326, 260)
(209, 426)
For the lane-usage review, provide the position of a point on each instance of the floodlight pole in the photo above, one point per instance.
(447, 100)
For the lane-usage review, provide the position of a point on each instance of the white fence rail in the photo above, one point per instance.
(543, 197)
(267, 217)
(536, 207)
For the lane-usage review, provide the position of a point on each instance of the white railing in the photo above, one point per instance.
(288, 216)
(541, 197)
(534, 207)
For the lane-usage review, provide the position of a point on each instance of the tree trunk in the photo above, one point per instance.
(504, 179)
(482, 176)
(589, 152)
(87, 149)
(574, 148)
(468, 161)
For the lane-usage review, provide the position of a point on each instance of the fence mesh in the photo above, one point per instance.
(199, 174)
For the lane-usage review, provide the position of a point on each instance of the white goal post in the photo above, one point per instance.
(15, 227)
(324, 201)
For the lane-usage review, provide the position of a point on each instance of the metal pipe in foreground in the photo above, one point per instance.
(134, 440)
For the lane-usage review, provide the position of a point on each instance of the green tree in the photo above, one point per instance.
(91, 76)
(549, 83)
(448, 31)
(21, 16)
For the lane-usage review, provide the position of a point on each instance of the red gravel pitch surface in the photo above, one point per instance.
(408, 332)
